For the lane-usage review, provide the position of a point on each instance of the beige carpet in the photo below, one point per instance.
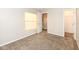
(42, 41)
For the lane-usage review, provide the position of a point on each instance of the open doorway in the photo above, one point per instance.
(70, 22)
(70, 27)
(44, 21)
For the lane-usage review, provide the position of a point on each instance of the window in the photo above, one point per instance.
(30, 21)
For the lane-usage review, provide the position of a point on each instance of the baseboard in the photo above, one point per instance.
(67, 34)
(58, 35)
(15, 40)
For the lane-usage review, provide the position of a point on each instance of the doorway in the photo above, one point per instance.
(44, 21)
(70, 23)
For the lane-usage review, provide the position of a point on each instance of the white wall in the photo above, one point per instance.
(74, 24)
(0, 29)
(77, 27)
(77, 23)
(39, 22)
(55, 21)
(12, 24)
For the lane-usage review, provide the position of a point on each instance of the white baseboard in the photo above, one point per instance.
(56, 34)
(15, 40)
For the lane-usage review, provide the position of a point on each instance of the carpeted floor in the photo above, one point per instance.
(42, 41)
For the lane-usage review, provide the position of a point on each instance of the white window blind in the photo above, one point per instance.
(30, 21)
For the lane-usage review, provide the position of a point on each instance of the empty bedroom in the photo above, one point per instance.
(37, 29)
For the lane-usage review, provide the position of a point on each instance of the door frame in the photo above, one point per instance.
(74, 27)
(47, 19)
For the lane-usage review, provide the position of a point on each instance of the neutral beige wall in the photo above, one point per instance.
(39, 22)
(12, 26)
(77, 23)
(55, 21)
